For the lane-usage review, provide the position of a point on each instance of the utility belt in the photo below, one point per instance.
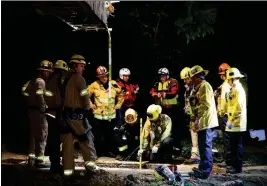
(75, 114)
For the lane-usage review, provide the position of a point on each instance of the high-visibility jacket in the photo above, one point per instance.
(170, 87)
(224, 89)
(161, 129)
(205, 109)
(129, 90)
(105, 108)
(236, 108)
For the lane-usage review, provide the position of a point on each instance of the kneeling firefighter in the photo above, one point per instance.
(157, 130)
(128, 134)
(73, 117)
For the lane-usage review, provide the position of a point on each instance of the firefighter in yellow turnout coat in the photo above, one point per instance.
(236, 111)
(104, 111)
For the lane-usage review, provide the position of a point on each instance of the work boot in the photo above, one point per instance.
(198, 174)
(31, 161)
(230, 170)
(194, 159)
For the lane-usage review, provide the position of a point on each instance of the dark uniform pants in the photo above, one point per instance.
(226, 142)
(38, 132)
(87, 146)
(236, 150)
(205, 151)
(177, 128)
(164, 151)
(105, 136)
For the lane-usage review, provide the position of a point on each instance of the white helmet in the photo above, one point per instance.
(124, 72)
(164, 71)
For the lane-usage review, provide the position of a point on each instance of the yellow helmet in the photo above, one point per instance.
(153, 112)
(46, 65)
(60, 64)
(130, 116)
(196, 70)
(76, 58)
(185, 73)
(233, 73)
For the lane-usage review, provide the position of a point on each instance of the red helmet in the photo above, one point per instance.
(223, 68)
(101, 71)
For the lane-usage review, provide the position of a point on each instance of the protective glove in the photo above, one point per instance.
(154, 149)
(140, 152)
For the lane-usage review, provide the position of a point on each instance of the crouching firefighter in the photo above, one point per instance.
(128, 135)
(72, 116)
(157, 130)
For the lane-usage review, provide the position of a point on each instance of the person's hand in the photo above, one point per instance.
(154, 94)
(154, 149)
(93, 106)
(116, 107)
(140, 152)
(229, 125)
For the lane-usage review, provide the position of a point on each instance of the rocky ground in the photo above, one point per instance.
(15, 173)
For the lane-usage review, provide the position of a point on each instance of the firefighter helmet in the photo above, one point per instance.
(196, 70)
(76, 58)
(153, 112)
(46, 65)
(101, 71)
(130, 116)
(185, 73)
(223, 68)
(233, 73)
(60, 64)
(124, 72)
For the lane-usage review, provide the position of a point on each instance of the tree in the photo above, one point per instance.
(191, 19)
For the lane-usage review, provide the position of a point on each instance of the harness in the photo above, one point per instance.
(66, 114)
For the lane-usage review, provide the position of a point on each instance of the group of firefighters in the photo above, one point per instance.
(60, 103)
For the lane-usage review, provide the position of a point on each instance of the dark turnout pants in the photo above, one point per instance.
(205, 151)
(164, 152)
(53, 142)
(177, 128)
(38, 132)
(235, 148)
(104, 137)
(226, 153)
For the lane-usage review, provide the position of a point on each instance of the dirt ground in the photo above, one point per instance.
(15, 173)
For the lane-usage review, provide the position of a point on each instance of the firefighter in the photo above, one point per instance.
(189, 106)
(236, 113)
(53, 108)
(220, 95)
(104, 111)
(73, 114)
(36, 112)
(205, 120)
(129, 90)
(157, 129)
(129, 133)
(165, 94)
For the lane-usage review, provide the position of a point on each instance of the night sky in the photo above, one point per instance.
(27, 38)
